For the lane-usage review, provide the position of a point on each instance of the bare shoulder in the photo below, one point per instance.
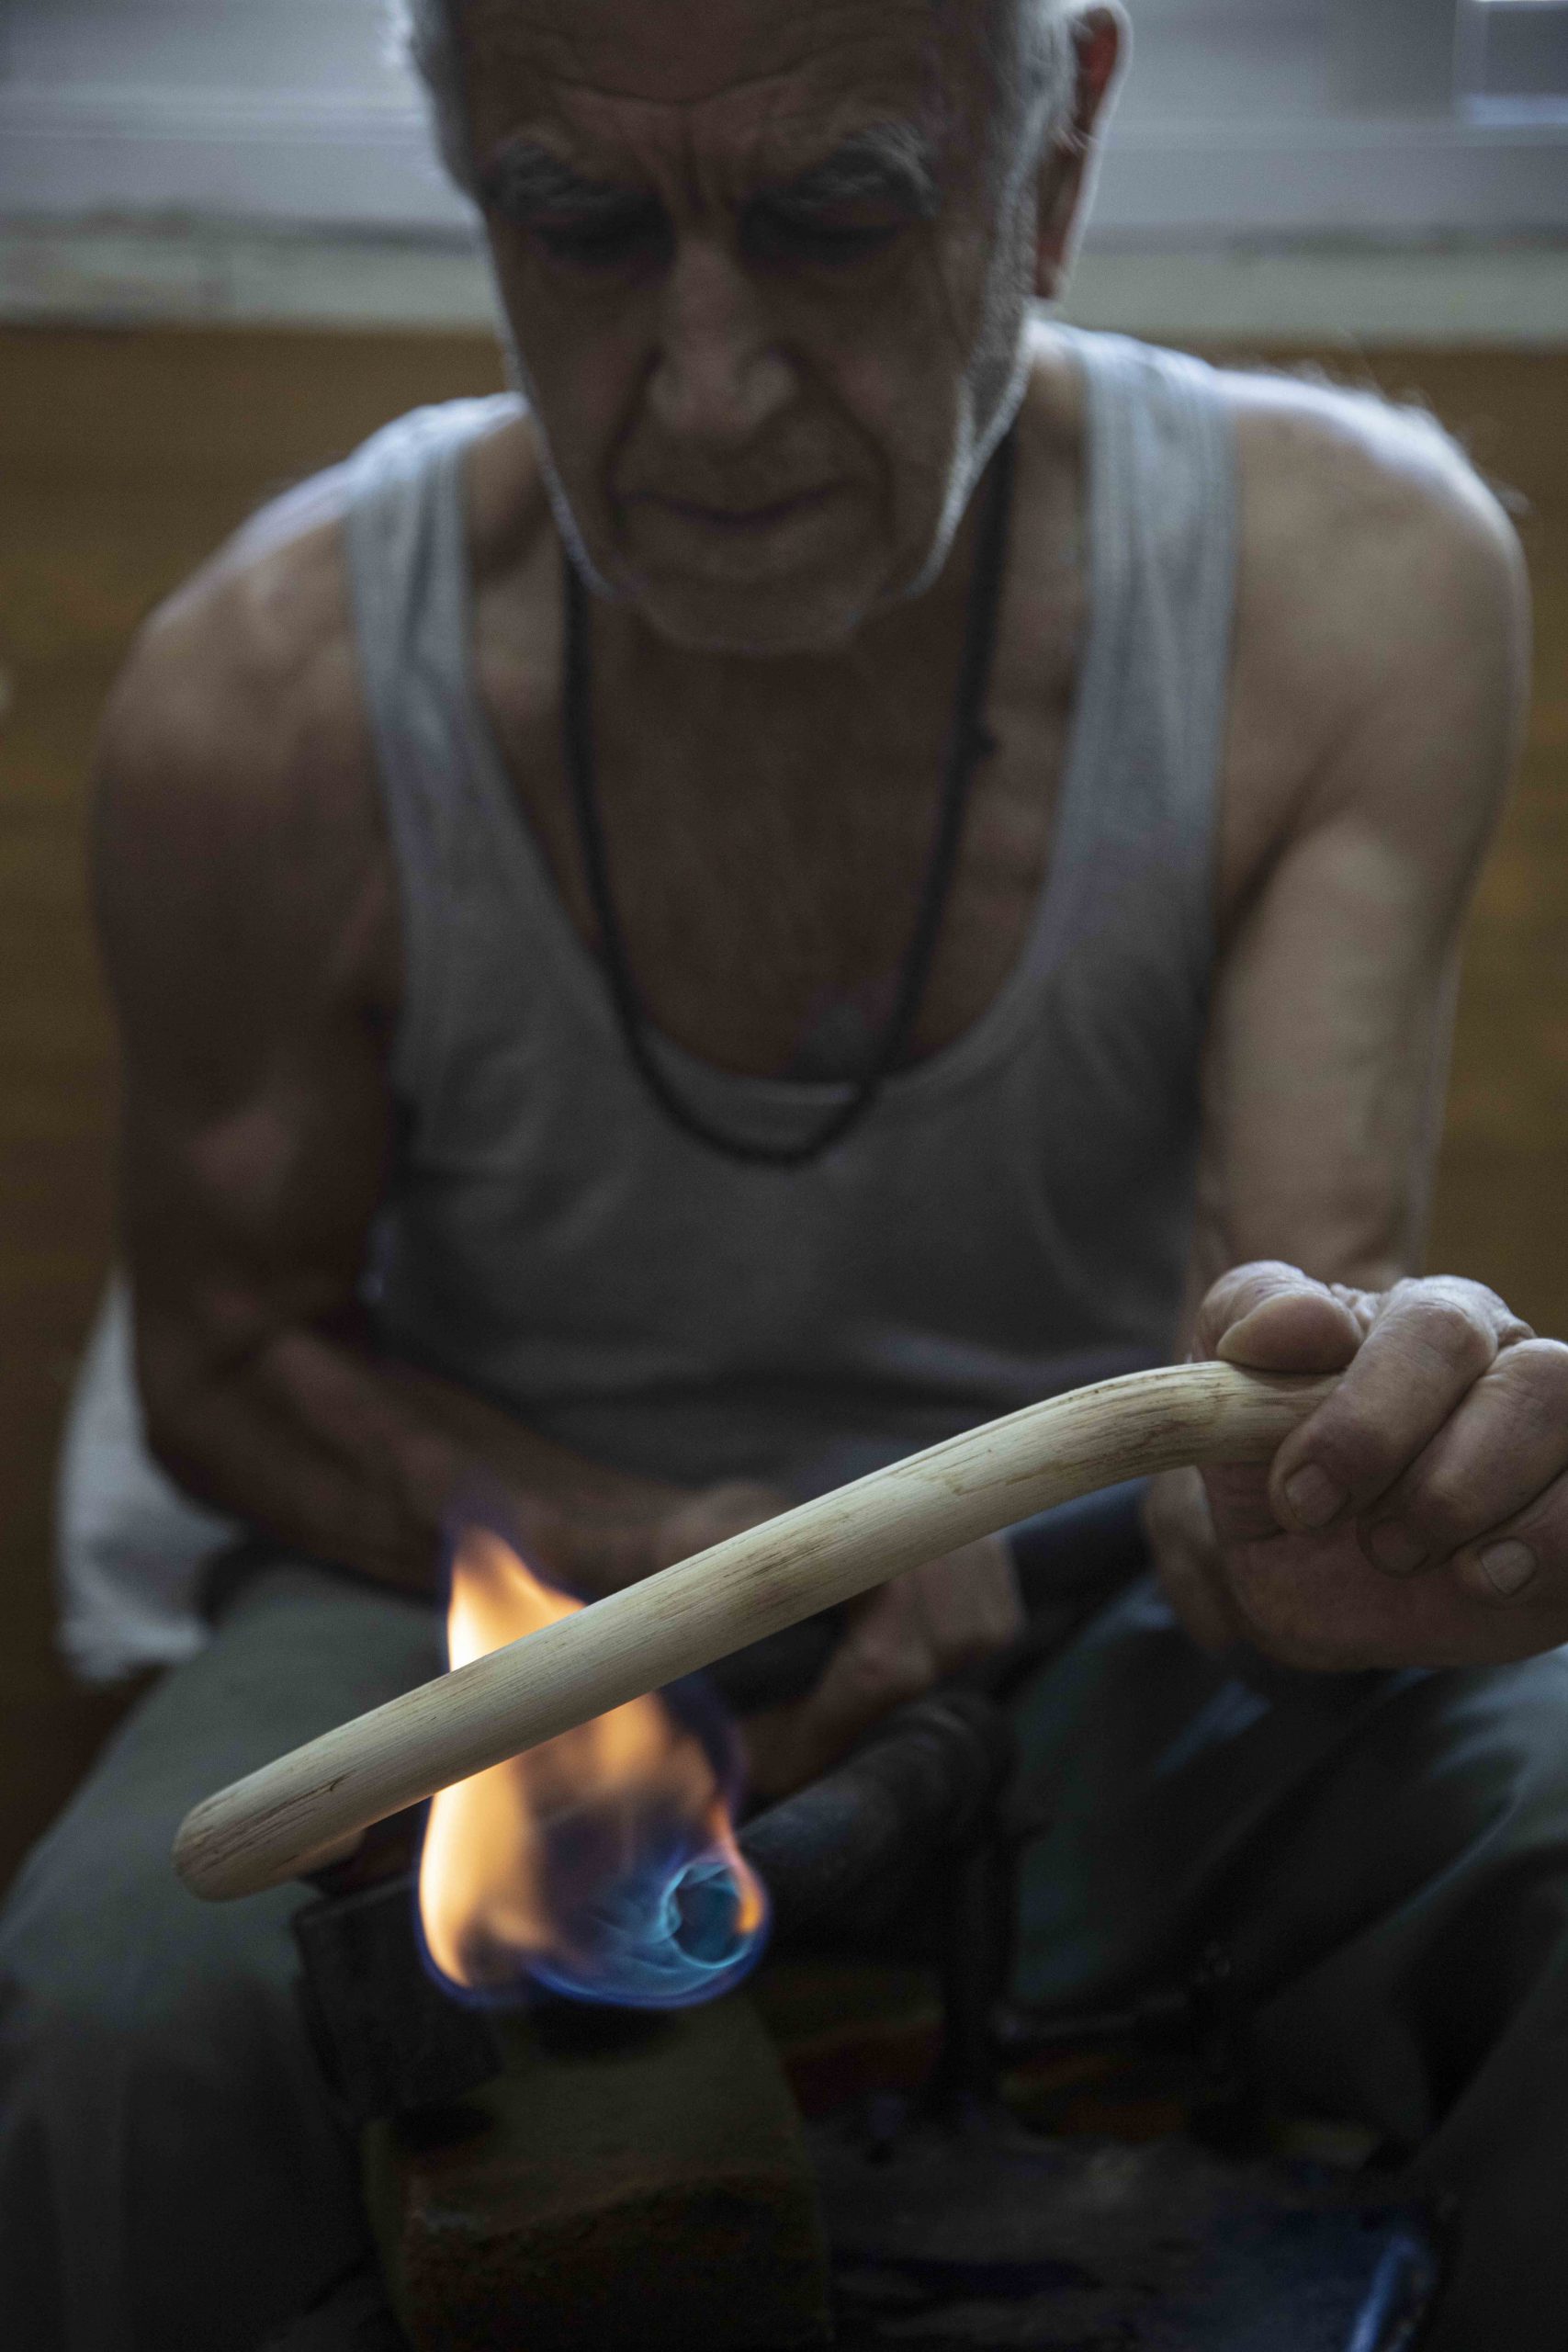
(1382, 626)
(1345, 493)
(235, 784)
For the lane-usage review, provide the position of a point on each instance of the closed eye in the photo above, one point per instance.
(604, 238)
(582, 223)
(830, 239)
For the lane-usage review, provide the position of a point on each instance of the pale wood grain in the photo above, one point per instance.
(269, 1826)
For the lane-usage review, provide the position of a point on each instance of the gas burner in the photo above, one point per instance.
(950, 2226)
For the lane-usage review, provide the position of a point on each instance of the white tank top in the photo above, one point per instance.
(1010, 1219)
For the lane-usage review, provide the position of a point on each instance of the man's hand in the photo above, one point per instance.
(901, 1639)
(1418, 1518)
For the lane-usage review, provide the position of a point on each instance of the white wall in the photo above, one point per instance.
(265, 110)
(1316, 117)
(1241, 119)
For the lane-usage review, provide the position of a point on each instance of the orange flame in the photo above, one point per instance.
(603, 1864)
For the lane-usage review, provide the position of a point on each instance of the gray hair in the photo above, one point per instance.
(1030, 43)
(1035, 57)
(424, 33)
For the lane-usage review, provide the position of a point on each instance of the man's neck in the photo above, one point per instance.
(901, 651)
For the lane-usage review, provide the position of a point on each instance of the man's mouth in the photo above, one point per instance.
(734, 544)
(737, 521)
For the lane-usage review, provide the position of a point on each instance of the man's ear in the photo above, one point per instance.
(1101, 40)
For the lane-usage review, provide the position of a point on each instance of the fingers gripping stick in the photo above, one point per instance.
(274, 1823)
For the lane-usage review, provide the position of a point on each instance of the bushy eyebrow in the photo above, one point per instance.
(528, 179)
(885, 161)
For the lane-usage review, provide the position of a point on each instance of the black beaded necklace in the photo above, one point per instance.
(968, 743)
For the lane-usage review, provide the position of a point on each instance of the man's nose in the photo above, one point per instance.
(719, 376)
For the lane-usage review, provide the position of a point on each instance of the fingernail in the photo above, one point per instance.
(1398, 1549)
(1508, 1567)
(1312, 1496)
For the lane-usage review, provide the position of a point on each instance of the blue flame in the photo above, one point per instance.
(659, 1926)
(656, 1938)
(645, 1907)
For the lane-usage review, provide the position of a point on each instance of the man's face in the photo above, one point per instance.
(765, 273)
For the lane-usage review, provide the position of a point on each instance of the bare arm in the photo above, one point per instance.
(1379, 697)
(248, 916)
(1381, 669)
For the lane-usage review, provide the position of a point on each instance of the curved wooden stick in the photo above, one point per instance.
(277, 1822)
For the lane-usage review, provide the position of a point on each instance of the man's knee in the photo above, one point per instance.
(1485, 1765)
(120, 1987)
(1412, 1905)
(152, 2067)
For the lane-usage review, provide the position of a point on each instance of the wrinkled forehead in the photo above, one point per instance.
(776, 79)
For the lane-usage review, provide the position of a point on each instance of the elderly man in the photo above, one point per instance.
(846, 859)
